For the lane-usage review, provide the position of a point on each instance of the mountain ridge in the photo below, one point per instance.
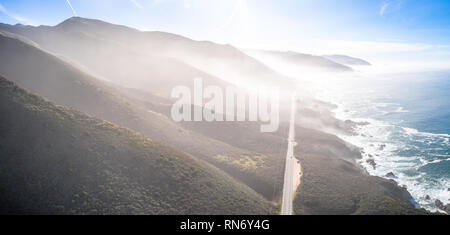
(300, 60)
(347, 60)
(64, 84)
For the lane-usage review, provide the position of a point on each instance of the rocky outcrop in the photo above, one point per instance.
(440, 205)
(391, 175)
(372, 163)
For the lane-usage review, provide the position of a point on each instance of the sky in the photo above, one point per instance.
(382, 30)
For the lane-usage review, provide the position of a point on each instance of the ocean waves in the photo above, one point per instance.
(406, 133)
(416, 160)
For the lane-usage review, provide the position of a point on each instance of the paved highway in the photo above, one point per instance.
(292, 166)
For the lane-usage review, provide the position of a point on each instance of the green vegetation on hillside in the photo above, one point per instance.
(64, 84)
(332, 183)
(54, 160)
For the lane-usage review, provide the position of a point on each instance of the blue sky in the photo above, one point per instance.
(395, 29)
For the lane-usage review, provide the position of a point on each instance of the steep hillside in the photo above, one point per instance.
(154, 61)
(55, 160)
(64, 84)
(127, 63)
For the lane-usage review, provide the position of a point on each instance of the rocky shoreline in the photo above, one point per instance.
(392, 177)
(334, 181)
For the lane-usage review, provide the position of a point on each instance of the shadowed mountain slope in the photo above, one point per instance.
(55, 160)
(106, 56)
(153, 61)
(64, 84)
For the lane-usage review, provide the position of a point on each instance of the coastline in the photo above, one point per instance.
(373, 151)
(336, 178)
(333, 184)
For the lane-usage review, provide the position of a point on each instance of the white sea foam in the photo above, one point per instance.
(394, 148)
(412, 131)
(377, 143)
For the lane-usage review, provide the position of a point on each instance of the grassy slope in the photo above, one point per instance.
(64, 84)
(55, 160)
(333, 184)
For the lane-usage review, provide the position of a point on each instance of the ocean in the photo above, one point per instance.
(406, 128)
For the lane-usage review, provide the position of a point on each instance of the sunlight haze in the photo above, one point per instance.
(398, 31)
